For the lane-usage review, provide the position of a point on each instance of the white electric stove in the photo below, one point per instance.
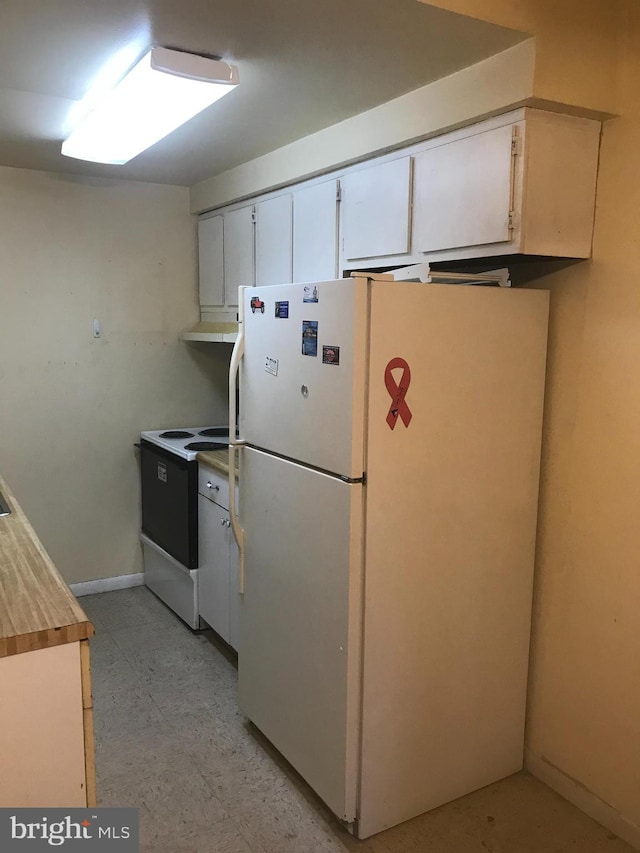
(169, 535)
(187, 442)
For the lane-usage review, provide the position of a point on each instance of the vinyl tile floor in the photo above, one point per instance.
(171, 742)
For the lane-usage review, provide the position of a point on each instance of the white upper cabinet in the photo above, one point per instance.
(210, 263)
(315, 232)
(376, 210)
(463, 192)
(273, 241)
(238, 252)
(519, 183)
(523, 183)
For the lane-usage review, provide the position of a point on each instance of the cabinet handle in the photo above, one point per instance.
(212, 487)
(223, 521)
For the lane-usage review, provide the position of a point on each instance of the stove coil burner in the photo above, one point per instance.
(214, 432)
(204, 445)
(176, 433)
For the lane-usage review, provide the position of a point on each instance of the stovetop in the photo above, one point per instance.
(187, 442)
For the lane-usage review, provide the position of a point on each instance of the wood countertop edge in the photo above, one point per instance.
(46, 638)
(37, 608)
(216, 459)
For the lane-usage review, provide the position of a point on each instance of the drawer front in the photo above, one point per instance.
(213, 485)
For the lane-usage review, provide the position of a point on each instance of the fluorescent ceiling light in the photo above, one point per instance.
(165, 89)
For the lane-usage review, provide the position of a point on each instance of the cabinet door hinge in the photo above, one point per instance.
(511, 224)
(514, 142)
(253, 215)
(338, 191)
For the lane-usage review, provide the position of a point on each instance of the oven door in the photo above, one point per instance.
(169, 488)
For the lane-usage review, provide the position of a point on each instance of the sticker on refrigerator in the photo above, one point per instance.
(330, 355)
(309, 337)
(282, 310)
(256, 305)
(271, 365)
(397, 389)
(310, 293)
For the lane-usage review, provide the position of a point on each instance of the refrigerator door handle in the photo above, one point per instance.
(238, 532)
(234, 443)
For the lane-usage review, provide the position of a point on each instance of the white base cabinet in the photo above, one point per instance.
(46, 729)
(218, 571)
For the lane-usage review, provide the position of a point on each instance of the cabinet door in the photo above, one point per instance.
(213, 576)
(315, 232)
(273, 241)
(463, 192)
(376, 209)
(210, 264)
(238, 252)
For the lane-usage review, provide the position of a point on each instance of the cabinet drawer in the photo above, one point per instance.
(213, 485)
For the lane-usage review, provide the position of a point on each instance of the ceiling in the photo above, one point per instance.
(303, 65)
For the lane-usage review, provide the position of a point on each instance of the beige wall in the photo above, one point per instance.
(576, 44)
(585, 680)
(71, 407)
(492, 86)
(584, 701)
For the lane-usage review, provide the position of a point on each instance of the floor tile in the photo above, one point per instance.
(138, 757)
(226, 838)
(174, 804)
(103, 648)
(171, 741)
(125, 608)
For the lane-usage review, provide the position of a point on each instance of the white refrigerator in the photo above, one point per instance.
(389, 460)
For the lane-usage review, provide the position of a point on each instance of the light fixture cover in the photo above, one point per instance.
(164, 90)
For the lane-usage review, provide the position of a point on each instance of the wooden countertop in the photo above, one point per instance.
(37, 608)
(216, 459)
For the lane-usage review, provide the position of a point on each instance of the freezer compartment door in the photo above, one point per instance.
(300, 620)
(302, 379)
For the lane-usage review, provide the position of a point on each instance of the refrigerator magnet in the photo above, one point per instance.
(397, 389)
(309, 337)
(271, 365)
(330, 355)
(310, 293)
(282, 310)
(256, 305)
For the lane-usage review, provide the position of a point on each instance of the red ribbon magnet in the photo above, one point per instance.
(397, 392)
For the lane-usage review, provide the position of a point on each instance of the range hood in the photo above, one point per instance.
(213, 331)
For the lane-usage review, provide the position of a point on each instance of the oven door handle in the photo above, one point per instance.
(234, 443)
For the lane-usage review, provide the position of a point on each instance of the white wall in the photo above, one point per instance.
(71, 406)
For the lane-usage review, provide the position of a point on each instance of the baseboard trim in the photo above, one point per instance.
(583, 798)
(106, 584)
